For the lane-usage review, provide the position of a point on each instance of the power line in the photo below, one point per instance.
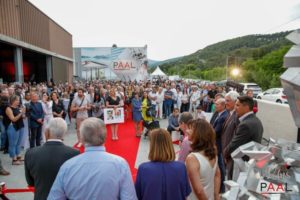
(294, 19)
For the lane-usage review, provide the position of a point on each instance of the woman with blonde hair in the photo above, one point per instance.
(202, 163)
(162, 178)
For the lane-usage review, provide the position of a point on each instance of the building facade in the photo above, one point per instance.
(32, 46)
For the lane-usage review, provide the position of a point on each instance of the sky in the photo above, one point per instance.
(169, 28)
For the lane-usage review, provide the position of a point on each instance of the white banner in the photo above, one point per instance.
(129, 63)
(113, 116)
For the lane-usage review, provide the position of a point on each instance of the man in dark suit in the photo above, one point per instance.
(42, 163)
(36, 120)
(229, 127)
(250, 127)
(217, 125)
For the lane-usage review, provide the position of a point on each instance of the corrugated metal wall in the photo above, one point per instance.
(60, 40)
(34, 26)
(10, 18)
(62, 70)
(21, 20)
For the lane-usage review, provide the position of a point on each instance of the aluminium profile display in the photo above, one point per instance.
(272, 166)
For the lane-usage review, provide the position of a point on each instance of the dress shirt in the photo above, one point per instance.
(95, 174)
(245, 115)
(184, 150)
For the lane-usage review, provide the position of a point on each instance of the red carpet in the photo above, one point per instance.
(127, 145)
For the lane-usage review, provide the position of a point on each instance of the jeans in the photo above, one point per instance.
(168, 107)
(35, 136)
(3, 134)
(14, 140)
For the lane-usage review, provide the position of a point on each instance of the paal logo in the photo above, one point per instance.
(276, 174)
(271, 188)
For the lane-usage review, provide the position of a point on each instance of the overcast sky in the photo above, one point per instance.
(170, 28)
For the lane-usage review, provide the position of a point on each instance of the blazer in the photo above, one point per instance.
(42, 165)
(36, 112)
(218, 125)
(228, 129)
(250, 129)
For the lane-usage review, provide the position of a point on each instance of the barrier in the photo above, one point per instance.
(277, 120)
(4, 190)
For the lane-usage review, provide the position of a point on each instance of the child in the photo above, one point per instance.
(200, 114)
(173, 121)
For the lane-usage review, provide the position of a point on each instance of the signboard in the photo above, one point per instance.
(127, 63)
(113, 116)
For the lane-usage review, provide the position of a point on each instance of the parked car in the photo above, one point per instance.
(274, 94)
(253, 86)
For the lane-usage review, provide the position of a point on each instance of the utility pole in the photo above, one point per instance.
(227, 68)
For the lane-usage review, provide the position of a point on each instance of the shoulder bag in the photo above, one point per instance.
(74, 113)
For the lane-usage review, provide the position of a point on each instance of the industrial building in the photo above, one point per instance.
(33, 47)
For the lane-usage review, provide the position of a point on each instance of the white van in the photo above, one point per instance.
(253, 86)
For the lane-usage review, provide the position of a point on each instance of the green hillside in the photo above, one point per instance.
(251, 53)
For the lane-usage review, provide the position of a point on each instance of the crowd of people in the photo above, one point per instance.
(36, 116)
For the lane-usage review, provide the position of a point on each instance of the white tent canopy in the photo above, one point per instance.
(158, 72)
(88, 65)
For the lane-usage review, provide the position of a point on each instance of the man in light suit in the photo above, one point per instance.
(229, 127)
(42, 163)
(217, 125)
(250, 127)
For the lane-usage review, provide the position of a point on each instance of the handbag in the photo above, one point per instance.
(74, 113)
(150, 112)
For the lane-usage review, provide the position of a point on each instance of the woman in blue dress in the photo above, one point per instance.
(162, 178)
(136, 113)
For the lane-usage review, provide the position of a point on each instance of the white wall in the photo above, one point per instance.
(277, 120)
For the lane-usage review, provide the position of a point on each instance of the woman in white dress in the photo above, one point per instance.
(47, 108)
(202, 163)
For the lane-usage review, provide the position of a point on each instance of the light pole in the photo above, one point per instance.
(236, 71)
(227, 68)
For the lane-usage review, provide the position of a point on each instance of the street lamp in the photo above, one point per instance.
(235, 72)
